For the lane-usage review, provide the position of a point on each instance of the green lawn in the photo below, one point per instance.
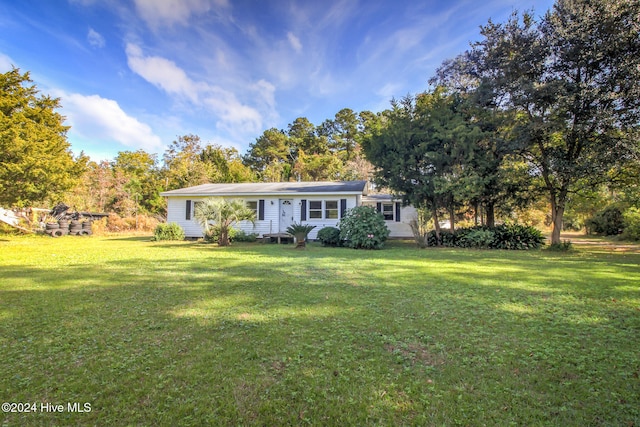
(190, 334)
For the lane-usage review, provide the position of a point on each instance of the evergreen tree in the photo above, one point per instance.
(422, 150)
(36, 162)
(268, 154)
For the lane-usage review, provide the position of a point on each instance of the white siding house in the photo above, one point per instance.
(280, 204)
(396, 216)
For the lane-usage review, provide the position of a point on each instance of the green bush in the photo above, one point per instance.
(212, 235)
(329, 236)
(516, 237)
(632, 224)
(242, 236)
(363, 228)
(608, 221)
(171, 231)
(447, 238)
(476, 238)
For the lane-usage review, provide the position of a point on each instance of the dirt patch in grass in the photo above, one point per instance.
(415, 353)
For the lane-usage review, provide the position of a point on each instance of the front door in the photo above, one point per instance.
(286, 214)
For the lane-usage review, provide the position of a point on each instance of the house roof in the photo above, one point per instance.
(381, 197)
(270, 188)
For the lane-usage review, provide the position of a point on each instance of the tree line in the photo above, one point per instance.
(548, 106)
(538, 108)
(39, 168)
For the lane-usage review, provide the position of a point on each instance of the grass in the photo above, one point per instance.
(190, 334)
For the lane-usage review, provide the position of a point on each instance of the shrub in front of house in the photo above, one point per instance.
(171, 231)
(329, 236)
(212, 235)
(242, 236)
(363, 228)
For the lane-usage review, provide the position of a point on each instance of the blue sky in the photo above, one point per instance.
(136, 74)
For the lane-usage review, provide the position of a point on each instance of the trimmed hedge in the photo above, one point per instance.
(515, 237)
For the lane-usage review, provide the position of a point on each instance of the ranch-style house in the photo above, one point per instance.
(280, 204)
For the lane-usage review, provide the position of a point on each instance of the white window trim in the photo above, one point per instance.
(393, 211)
(337, 209)
(323, 210)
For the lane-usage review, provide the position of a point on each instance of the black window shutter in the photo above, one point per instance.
(261, 209)
(379, 207)
(343, 207)
(303, 210)
(397, 212)
(188, 209)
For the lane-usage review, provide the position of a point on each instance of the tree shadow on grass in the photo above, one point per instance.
(267, 336)
(146, 238)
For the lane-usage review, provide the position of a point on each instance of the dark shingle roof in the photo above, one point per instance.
(267, 188)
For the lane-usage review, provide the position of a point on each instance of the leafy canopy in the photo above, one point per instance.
(571, 83)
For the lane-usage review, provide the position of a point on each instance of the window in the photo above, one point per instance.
(315, 209)
(253, 205)
(387, 211)
(331, 209)
(195, 206)
(324, 209)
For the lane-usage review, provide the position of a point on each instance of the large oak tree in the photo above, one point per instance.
(571, 82)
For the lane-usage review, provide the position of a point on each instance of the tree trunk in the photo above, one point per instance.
(223, 240)
(436, 224)
(452, 218)
(301, 241)
(491, 214)
(557, 213)
(475, 214)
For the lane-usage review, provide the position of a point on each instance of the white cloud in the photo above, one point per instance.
(168, 12)
(162, 73)
(389, 90)
(235, 117)
(294, 42)
(100, 119)
(232, 115)
(95, 39)
(6, 63)
(267, 92)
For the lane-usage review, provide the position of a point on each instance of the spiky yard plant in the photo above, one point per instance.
(300, 232)
(224, 213)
